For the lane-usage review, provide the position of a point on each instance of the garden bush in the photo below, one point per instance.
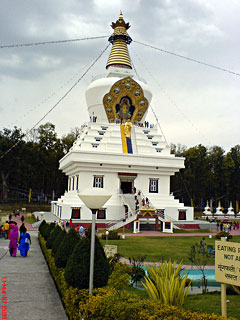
(65, 249)
(50, 228)
(113, 235)
(120, 277)
(41, 227)
(57, 242)
(55, 232)
(108, 303)
(224, 234)
(77, 268)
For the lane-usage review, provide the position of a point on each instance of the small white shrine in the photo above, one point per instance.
(119, 151)
(219, 210)
(207, 210)
(230, 211)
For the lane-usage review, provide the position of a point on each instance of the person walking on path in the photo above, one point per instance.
(13, 244)
(81, 232)
(22, 218)
(6, 228)
(24, 243)
(71, 223)
(22, 228)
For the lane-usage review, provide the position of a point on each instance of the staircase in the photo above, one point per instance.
(130, 216)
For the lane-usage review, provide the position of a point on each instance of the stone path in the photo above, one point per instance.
(31, 293)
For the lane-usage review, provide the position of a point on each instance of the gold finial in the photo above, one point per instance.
(207, 203)
(219, 204)
(119, 55)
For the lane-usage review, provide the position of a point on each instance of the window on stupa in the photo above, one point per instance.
(158, 149)
(76, 213)
(98, 182)
(153, 185)
(182, 215)
(77, 182)
(101, 214)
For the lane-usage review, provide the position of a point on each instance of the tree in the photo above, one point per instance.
(68, 139)
(55, 232)
(77, 268)
(66, 248)
(9, 139)
(58, 240)
(137, 271)
(199, 256)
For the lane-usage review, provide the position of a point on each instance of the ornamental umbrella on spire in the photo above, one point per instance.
(119, 55)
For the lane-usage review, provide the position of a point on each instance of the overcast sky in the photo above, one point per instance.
(194, 103)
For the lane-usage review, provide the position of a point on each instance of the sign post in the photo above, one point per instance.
(227, 267)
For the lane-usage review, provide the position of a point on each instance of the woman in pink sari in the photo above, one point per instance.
(13, 244)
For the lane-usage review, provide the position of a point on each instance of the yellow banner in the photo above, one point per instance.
(30, 195)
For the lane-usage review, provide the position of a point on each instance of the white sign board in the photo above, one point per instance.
(227, 262)
(110, 250)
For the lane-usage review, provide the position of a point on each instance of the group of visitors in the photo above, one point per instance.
(227, 226)
(18, 241)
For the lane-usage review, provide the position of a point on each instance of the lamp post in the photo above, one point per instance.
(93, 202)
(107, 233)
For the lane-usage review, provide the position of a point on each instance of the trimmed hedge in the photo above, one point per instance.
(57, 242)
(65, 249)
(78, 265)
(48, 230)
(113, 235)
(55, 232)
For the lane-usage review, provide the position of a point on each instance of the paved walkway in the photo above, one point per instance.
(31, 292)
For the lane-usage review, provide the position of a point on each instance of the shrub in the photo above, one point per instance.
(166, 284)
(57, 242)
(224, 234)
(55, 232)
(42, 226)
(65, 250)
(120, 277)
(138, 272)
(77, 268)
(108, 303)
(113, 235)
(50, 228)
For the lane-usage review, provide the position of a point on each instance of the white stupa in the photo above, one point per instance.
(219, 211)
(120, 152)
(207, 210)
(230, 211)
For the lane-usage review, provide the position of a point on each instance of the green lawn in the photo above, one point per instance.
(160, 248)
(211, 303)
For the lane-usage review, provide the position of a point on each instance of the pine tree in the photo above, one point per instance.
(55, 232)
(65, 250)
(57, 242)
(50, 228)
(77, 268)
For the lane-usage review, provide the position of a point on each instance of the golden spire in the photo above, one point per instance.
(119, 55)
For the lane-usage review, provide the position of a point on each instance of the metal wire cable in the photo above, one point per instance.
(49, 42)
(172, 101)
(187, 58)
(57, 103)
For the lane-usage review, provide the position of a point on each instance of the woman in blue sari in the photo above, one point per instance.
(24, 243)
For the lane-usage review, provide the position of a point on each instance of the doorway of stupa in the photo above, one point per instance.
(127, 182)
